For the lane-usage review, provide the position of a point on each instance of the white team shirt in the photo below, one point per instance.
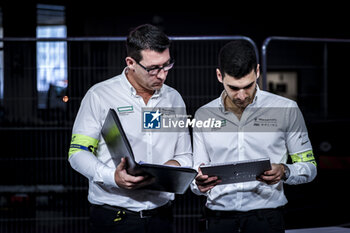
(271, 126)
(150, 147)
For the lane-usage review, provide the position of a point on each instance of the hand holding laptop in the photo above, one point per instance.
(127, 181)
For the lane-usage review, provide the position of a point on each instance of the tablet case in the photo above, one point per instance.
(167, 178)
(240, 171)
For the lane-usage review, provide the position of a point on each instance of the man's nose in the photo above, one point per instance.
(162, 74)
(241, 94)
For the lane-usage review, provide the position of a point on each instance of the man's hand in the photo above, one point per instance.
(204, 182)
(126, 181)
(274, 175)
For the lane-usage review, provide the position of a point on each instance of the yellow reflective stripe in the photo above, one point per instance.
(82, 142)
(307, 156)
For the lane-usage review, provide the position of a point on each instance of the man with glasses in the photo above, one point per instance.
(117, 203)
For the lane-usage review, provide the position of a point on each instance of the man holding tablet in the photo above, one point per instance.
(254, 125)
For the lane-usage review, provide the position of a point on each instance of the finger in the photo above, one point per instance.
(207, 188)
(209, 182)
(121, 166)
(126, 177)
(201, 177)
(270, 173)
(204, 179)
(134, 179)
(270, 180)
(200, 170)
(211, 179)
(148, 181)
(267, 178)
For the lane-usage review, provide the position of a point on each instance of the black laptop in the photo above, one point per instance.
(166, 178)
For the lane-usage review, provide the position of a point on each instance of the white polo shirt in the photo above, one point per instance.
(150, 147)
(271, 126)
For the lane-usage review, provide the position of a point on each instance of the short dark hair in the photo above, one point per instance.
(144, 37)
(237, 58)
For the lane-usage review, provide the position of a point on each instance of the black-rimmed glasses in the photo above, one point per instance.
(155, 70)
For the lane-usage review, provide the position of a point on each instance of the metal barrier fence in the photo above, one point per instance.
(320, 65)
(306, 54)
(39, 191)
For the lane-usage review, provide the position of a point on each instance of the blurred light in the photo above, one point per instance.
(65, 99)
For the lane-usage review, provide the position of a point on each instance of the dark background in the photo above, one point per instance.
(41, 193)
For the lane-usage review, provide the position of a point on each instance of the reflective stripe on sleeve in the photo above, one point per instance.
(307, 156)
(82, 142)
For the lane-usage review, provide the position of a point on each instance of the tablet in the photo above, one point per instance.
(240, 171)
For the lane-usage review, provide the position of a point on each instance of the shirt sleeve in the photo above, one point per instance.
(299, 147)
(183, 153)
(183, 148)
(200, 155)
(85, 139)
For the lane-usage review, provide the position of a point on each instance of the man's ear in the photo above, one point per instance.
(130, 63)
(219, 75)
(257, 71)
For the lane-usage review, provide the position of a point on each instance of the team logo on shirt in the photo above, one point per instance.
(265, 122)
(125, 110)
(152, 119)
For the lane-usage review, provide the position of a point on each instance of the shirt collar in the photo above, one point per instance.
(257, 94)
(125, 82)
(128, 86)
(222, 102)
(158, 93)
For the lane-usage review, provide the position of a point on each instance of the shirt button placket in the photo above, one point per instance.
(149, 147)
(240, 143)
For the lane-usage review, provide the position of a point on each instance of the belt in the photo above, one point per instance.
(220, 213)
(142, 213)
